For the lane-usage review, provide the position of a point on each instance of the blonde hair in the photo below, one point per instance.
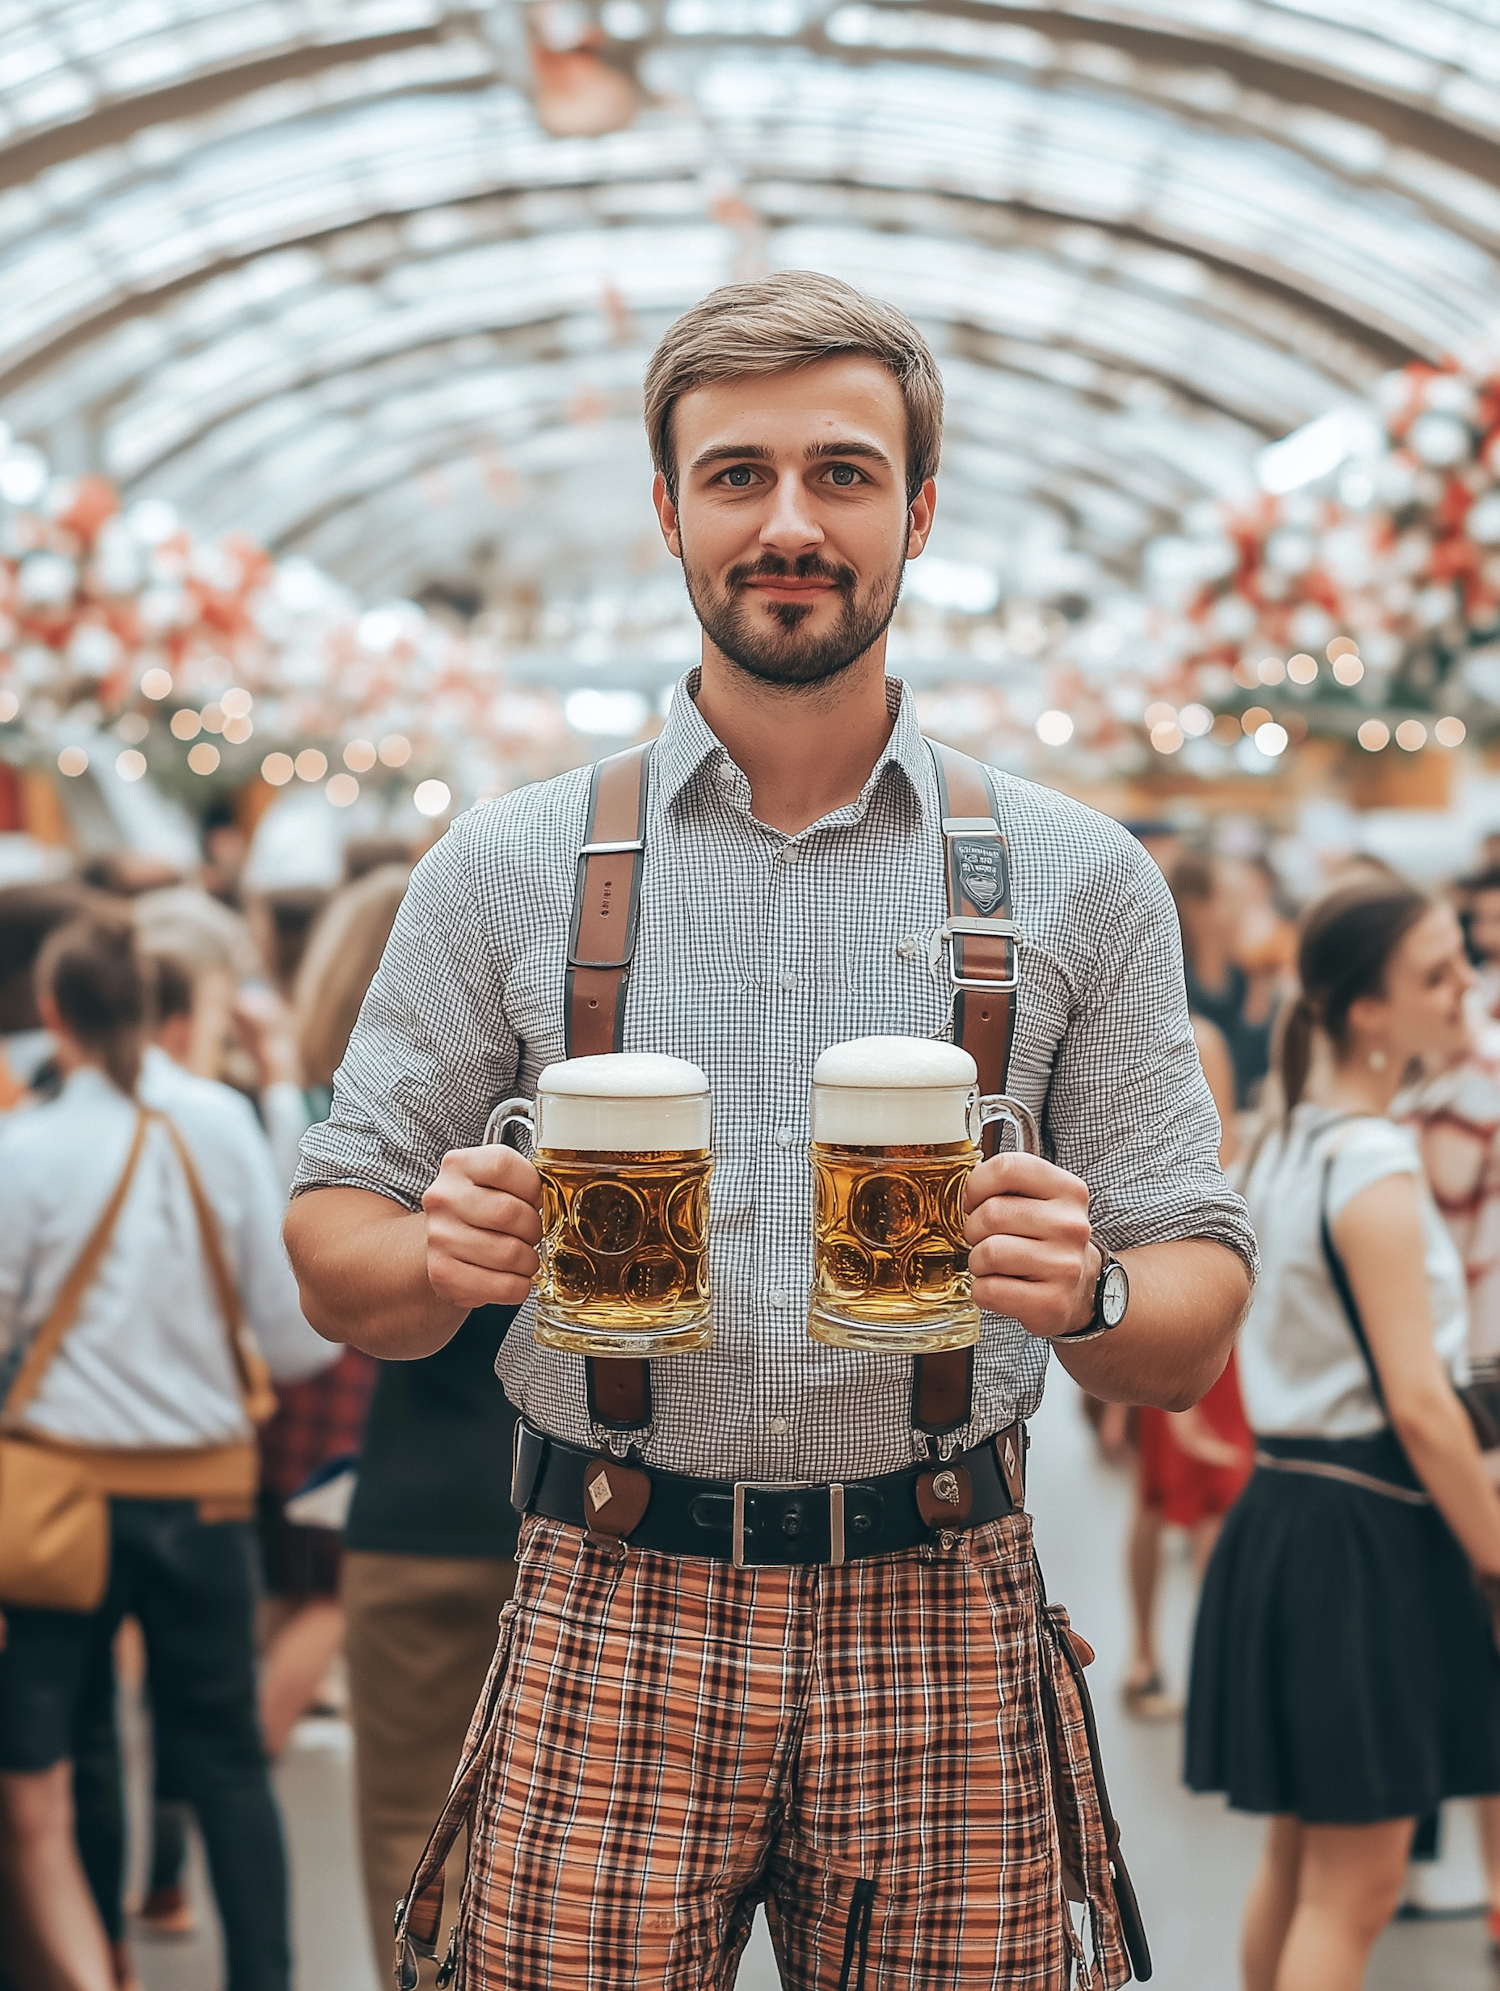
(794, 318)
(339, 965)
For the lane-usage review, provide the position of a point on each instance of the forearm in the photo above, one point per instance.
(1187, 1299)
(361, 1266)
(1438, 1441)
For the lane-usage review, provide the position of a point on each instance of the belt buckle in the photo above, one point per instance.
(835, 1494)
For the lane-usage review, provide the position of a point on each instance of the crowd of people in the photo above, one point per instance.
(165, 1042)
(166, 1023)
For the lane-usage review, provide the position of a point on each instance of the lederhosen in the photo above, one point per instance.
(609, 1490)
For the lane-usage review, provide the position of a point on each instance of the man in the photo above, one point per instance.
(669, 1737)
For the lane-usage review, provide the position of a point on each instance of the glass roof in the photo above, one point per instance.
(318, 268)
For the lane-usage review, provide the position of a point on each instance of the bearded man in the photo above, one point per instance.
(692, 1714)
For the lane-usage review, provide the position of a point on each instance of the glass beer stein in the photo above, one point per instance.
(622, 1147)
(896, 1124)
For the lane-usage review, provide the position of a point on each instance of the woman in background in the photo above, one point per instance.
(1345, 1678)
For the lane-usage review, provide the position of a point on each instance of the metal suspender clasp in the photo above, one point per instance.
(979, 929)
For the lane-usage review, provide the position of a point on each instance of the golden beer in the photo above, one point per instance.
(622, 1147)
(624, 1252)
(896, 1124)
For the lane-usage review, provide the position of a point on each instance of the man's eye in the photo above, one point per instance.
(739, 476)
(843, 474)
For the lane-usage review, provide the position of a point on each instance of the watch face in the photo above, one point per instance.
(1115, 1297)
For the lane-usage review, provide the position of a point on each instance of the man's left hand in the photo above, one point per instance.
(1029, 1246)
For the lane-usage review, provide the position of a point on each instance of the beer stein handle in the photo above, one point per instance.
(520, 1111)
(997, 1106)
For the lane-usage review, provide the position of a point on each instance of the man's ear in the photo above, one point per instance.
(923, 505)
(666, 515)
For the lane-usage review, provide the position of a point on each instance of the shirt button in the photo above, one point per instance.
(789, 853)
(787, 984)
(906, 948)
(785, 1136)
(778, 1296)
(779, 1427)
(726, 774)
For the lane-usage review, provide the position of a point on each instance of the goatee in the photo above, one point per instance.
(760, 637)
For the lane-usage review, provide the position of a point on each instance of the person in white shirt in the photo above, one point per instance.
(148, 1388)
(1345, 1678)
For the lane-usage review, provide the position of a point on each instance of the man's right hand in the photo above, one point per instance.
(483, 1226)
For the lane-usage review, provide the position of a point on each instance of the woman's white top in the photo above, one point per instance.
(1301, 1370)
(147, 1360)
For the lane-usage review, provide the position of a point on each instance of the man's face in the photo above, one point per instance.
(791, 518)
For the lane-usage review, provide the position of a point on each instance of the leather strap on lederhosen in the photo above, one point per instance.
(982, 947)
(981, 942)
(601, 948)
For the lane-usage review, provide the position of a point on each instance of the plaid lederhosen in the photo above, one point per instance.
(664, 1741)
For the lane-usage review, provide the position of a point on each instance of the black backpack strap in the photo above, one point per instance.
(982, 943)
(601, 950)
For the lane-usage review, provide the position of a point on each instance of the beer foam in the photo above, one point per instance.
(624, 1102)
(893, 1092)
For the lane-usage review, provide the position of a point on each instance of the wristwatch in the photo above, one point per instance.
(1111, 1298)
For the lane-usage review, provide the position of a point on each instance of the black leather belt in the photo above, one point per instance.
(755, 1525)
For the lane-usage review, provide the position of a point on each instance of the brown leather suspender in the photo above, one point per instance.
(982, 956)
(982, 942)
(601, 948)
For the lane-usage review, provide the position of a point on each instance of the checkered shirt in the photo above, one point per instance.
(757, 950)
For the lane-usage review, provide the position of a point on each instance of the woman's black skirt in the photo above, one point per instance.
(1343, 1670)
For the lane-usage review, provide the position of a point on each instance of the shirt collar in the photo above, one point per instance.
(687, 744)
(88, 1084)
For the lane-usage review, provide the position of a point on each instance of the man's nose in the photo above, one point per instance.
(791, 526)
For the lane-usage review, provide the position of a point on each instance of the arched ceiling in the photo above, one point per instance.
(314, 268)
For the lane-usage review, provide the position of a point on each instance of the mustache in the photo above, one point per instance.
(807, 567)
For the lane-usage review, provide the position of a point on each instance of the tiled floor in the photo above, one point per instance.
(1191, 1860)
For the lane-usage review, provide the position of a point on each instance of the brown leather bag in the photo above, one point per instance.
(54, 1499)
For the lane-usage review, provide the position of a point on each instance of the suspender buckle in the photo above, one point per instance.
(983, 929)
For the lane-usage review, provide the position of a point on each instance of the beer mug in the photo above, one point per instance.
(896, 1126)
(621, 1143)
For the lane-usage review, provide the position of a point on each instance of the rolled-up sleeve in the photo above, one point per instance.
(432, 1048)
(1128, 1108)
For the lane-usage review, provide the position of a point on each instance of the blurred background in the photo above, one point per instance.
(323, 489)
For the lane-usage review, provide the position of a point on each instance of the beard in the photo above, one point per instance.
(764, 639)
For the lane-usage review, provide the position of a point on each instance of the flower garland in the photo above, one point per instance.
(1393, 550)
(189, 651)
